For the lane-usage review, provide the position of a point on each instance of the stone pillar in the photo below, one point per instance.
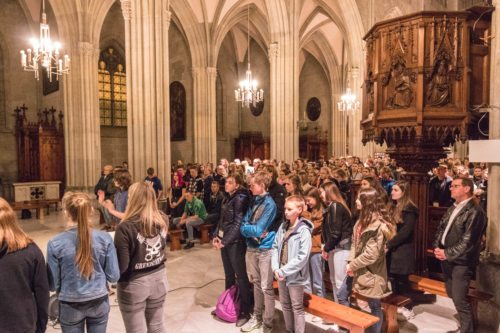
(205, 134)
(284, 101)
(81, 119)
(148, 101)
(487, 273)
(338, 133)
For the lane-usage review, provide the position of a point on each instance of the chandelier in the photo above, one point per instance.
(247, 93)
(348, 102)
(45, 54)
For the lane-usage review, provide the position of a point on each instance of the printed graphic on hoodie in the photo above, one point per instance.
(154, 255)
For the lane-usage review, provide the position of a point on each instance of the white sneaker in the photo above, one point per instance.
(406, 314)
(252, 326)
(316, 319)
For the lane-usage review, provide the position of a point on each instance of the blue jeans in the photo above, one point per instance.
(376, 309)
(316, 270)
(345, 291)
(75, 316)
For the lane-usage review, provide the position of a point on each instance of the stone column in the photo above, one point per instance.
(81, 119)
(205, 134)
(487, 273)
(284, 102)
(338, 133)
(148, 101)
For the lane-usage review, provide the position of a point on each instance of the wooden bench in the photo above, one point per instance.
(390, 306)
(438, 288)
(175, 239)
(48, 202)
(36, 205)
(354, 320)
(205, 230)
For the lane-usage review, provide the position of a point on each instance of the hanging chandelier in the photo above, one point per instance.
(248, 93)
(348, 102)
(45, 54)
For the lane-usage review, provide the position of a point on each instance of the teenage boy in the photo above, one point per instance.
(255, 228)
(193, 216)
(290, 258)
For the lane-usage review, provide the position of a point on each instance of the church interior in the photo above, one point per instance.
(165, 83)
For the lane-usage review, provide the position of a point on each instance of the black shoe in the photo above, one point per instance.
(188, 245)
(183, 241)
(242, 320)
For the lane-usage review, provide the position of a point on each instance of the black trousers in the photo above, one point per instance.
(235, 270)
(399, 283)
(457, 279)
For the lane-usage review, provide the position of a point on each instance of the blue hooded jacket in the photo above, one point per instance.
(257, 220)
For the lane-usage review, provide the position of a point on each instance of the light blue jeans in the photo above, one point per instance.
(337, 262)
(316, 270)
(74, 316)
(376, 310)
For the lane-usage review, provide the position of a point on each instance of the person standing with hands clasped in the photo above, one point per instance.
(289, 261)
(458, 245)
(367, 263)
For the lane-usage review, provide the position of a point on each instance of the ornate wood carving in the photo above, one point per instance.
(252, 145)
(40, 146)
(423, 73)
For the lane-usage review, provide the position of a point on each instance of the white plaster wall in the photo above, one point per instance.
(180, 70)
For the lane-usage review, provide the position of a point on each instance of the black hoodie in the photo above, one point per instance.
(24, 290)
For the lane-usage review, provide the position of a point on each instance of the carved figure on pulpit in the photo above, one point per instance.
(439, 92)
(402, 96)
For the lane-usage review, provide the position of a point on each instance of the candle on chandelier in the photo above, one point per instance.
(23, 58)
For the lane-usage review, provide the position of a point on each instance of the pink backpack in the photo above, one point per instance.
(228, 305)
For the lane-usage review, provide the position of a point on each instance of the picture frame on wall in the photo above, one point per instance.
(177, 112)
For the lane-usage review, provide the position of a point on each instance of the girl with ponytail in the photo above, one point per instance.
(81, 261)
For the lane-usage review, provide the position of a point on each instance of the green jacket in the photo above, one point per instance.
(195, 207)
(367, 260)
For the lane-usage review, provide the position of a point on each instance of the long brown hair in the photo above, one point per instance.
(333, 194)
(10, 232)
(373, 208)
(78, 207)
(142, 206)
(313, 192)
(401, 204)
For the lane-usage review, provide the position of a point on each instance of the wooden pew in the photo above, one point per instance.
(36, 205)
(438, 288)
(205, 230)
(354, 320)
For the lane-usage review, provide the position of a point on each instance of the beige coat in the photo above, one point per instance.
(367, 260)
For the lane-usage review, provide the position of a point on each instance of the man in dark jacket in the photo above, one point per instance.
(458, 244)
(232, 244)
(278, 193)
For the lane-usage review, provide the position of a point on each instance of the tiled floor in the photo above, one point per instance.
(196, 279)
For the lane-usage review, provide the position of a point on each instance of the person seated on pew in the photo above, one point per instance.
(194, 213)
(367, 262)
(289, 262)
(400, 248)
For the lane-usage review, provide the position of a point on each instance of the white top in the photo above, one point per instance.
(458, 208)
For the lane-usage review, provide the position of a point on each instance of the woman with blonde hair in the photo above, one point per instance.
(140, 243)
(81, 261)
(24, 290)
(367, 262)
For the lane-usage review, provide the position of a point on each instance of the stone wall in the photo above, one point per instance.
(16, 86)
(114, 146)
(180, 70)
(314, 83)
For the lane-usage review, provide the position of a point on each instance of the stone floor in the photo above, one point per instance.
(196, 279)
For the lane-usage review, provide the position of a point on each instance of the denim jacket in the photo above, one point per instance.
(258, 219)
(64, 273)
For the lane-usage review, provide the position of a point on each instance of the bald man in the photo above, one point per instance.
(105, 183)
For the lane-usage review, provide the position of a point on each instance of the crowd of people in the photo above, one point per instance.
(273, 221)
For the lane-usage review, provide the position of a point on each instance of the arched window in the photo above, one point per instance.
(112, 89)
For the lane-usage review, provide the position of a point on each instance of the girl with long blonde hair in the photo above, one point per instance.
(140, 241)
(24, 290)
(81, 262)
